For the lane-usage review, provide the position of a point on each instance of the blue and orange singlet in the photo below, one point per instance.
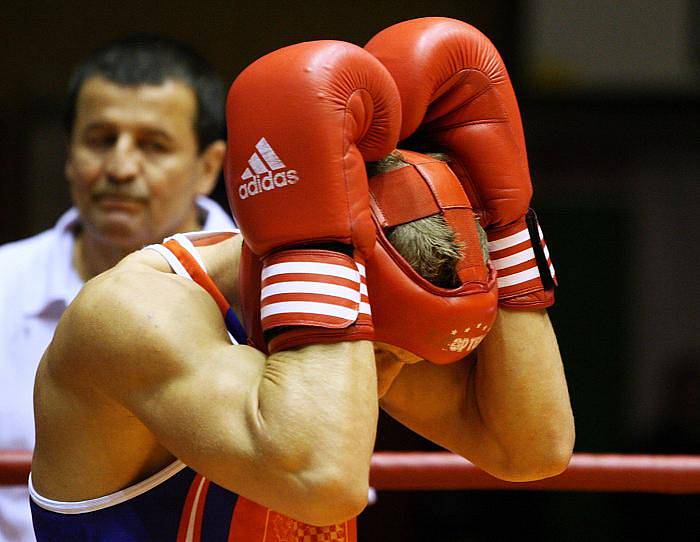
(177, 504)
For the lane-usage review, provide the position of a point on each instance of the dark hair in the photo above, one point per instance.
(150, 59)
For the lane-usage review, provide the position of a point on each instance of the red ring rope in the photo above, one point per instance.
(586, 472)
(442, 470)
(14, 467)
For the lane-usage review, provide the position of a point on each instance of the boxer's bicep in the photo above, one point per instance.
(160, 349)
(273, 429)
(203, 412)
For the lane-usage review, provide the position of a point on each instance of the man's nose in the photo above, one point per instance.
(123, 162)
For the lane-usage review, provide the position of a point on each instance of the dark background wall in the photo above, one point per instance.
(610, 97)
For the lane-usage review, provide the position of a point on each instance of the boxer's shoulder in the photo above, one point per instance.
(142, 281)
(135, 313)
(139, 284)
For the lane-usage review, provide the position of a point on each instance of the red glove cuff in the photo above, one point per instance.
(518, 252)
(320, 294)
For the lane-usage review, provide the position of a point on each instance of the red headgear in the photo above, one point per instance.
(440, 325)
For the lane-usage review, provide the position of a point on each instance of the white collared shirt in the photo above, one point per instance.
(37, 283)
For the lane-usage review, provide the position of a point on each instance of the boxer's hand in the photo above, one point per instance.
(302, 122)
(457, 97)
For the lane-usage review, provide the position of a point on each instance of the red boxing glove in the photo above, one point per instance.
(302, 122)
(457, 97)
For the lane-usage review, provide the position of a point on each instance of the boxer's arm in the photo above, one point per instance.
(293, 432)
(507, 411)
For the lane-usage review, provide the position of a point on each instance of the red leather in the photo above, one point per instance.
(302, 121)
(457, 98)
(440, 325)
(427, 188)
(325, 108)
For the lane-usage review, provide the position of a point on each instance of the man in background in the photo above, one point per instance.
(145, 130)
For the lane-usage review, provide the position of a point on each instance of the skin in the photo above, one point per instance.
(122, 377)
(293, 431)
(506, 407)
(134, 168)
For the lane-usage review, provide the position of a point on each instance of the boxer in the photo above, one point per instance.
(151, 424)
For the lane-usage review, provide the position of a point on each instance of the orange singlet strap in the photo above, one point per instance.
(198, 274)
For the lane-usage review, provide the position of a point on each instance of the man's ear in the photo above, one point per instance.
(210, 162)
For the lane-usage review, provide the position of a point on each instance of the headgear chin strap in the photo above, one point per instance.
(441, 325)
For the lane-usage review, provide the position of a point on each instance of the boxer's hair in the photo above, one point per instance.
(427, 244)
(147, 59)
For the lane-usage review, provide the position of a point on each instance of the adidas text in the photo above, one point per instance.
(269, 181)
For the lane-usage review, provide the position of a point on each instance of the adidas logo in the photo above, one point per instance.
(264, 172)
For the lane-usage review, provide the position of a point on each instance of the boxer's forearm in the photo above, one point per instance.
(314, 420)
(519, 393)
(320, 402)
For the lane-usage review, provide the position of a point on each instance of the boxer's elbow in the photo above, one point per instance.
(537, 467)
(539, 458)
(333, 495)
(322, 484)
(557, 447)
